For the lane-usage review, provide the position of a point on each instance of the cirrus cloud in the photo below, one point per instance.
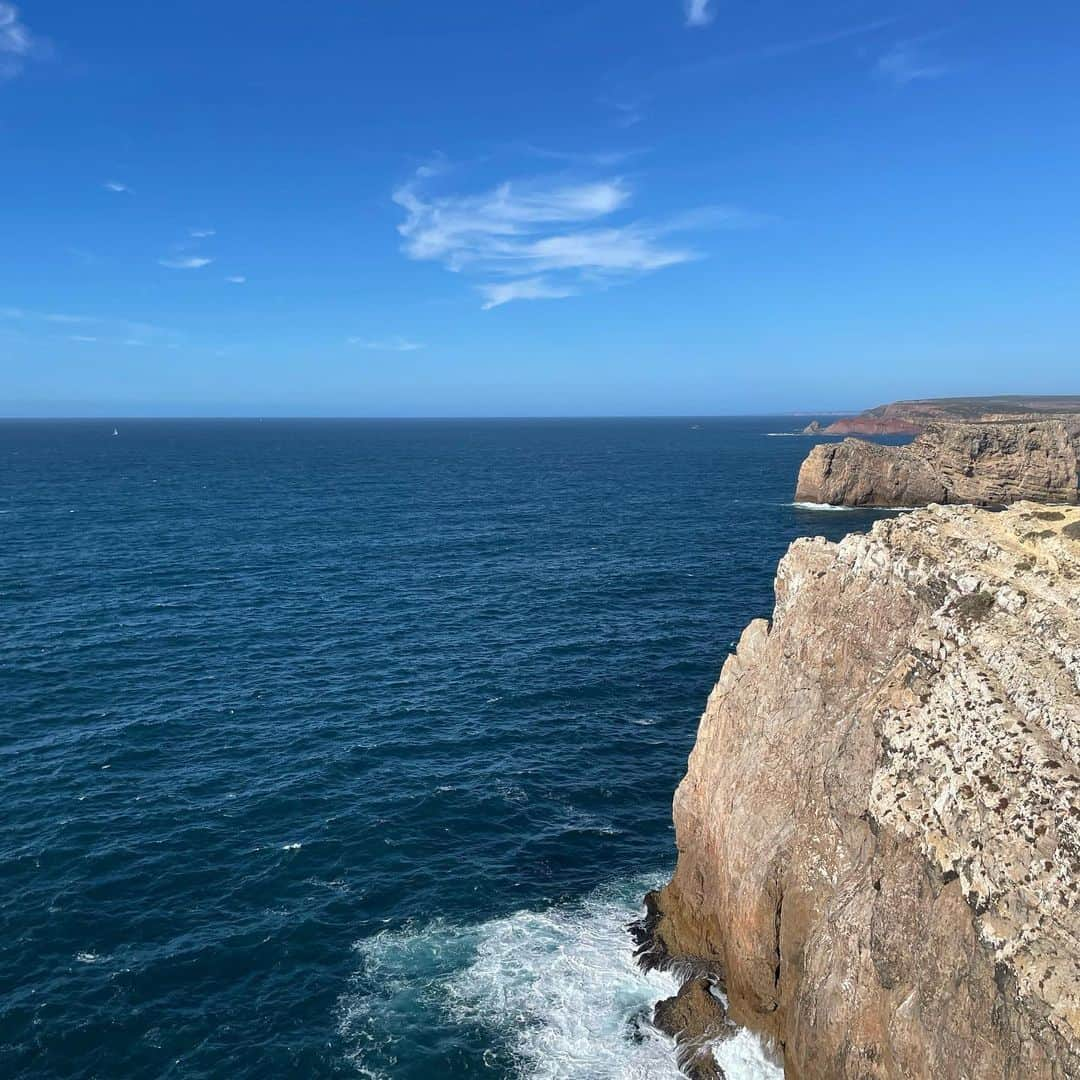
(17, 43)
(545, 238)
(185, 262)
(535, 288)
(698, 12)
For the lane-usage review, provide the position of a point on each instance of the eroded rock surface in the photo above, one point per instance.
(879, 829)
(986, 464)
(695, 1018)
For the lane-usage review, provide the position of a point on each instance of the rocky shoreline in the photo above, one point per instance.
(879, 830)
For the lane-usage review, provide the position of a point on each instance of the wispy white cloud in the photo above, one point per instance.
(185, 253)
(115, 185)
(464, 230)
(546, 238)
(698, 12)
(907, 62)
(634, 248)
(394, 344)
(85, 339)
(534, 288)
(17, 43)
(185, 262)
(236, 279)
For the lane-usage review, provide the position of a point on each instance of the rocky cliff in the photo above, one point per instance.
(872, 425)
(879, 830)
(910, 417)
(987, 464)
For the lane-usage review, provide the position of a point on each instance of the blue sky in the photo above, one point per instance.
(568, 207)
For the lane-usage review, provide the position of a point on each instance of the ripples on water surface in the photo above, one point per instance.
(347, 748)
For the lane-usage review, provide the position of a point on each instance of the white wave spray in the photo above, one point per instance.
(556, 993)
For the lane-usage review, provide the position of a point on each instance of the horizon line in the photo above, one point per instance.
(115, 418)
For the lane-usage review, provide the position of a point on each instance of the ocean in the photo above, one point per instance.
(347, 748)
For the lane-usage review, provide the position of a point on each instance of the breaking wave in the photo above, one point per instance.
(556, 993)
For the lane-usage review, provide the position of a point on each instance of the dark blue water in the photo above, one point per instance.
(324, 744)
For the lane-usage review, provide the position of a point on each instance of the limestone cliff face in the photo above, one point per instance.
(987, 464)
(879, 829)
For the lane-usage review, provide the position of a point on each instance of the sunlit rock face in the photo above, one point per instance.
(986, 464)
(879, 828)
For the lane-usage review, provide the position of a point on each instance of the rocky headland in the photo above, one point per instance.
(879, 829)
(988, 463)
(864, 425)
(911, 417)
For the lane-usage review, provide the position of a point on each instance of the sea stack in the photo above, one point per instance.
(985, 464)
(879, 830)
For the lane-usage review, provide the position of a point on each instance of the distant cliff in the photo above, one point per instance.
(988, 464)
(911, 417)
(873, 425)
(879, 829)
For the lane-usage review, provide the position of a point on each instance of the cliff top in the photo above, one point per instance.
(978, 409)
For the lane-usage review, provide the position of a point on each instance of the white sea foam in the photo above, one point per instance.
(88, 957)
(875, 509)
(743, 1057)
(295, 846)
(557, 993)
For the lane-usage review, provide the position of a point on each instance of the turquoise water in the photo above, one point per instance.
(335, 748)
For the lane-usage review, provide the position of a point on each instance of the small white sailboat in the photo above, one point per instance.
(115, 432)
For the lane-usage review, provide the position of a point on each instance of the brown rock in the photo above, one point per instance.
(873, 425)
(911, 417)
(694, 1018)
(879, 829)
(984, 464)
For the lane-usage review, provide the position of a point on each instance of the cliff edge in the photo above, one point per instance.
(879, 830)
(987, 464)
